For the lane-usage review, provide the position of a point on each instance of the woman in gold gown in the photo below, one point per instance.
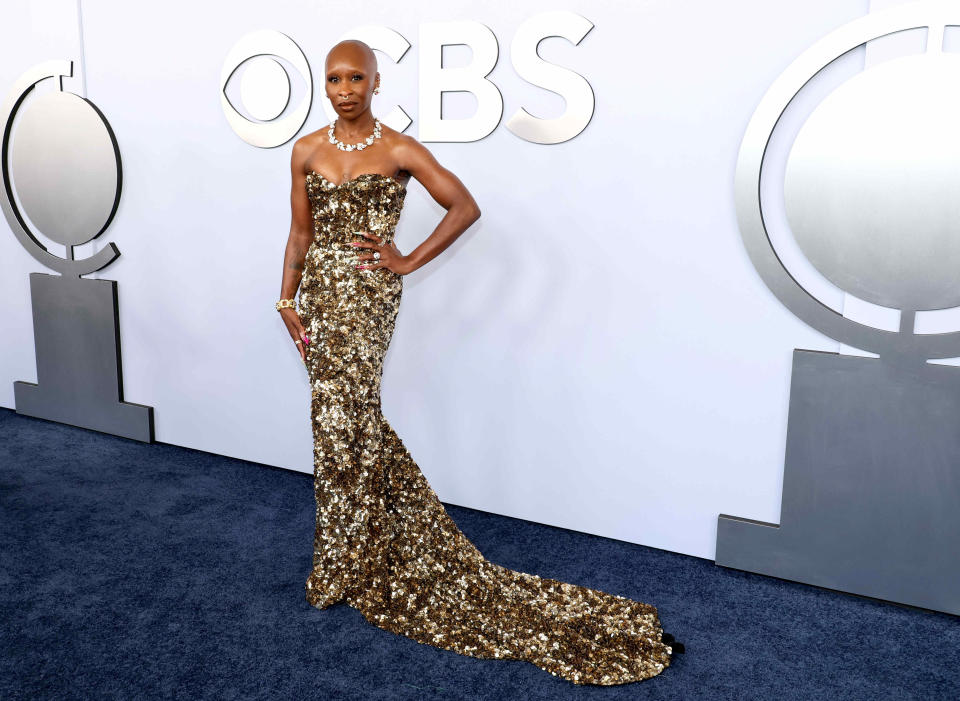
(384, 543)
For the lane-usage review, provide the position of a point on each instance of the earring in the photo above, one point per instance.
(376, 90)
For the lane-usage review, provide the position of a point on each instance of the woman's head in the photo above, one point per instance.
(351, 77)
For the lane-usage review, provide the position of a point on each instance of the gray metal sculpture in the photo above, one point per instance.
(66, 166)
(871, 488)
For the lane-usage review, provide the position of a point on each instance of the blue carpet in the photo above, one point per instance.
(134, 571)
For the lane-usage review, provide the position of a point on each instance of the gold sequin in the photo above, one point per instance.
(384, 543)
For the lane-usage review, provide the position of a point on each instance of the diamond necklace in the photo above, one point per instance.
(360, 146)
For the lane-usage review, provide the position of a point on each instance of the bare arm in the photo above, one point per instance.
(300, 233)
(448, 191)
(298, 241)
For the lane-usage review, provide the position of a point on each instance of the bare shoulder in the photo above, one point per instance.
(305, 147)
(312, 139)
(399, 140)
(408, 152)
(299, 152)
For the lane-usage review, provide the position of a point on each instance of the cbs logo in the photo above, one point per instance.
(265, 89)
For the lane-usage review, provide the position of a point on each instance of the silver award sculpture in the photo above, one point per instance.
(65, 163)
(871, 484)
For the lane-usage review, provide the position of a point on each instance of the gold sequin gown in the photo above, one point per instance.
(384, 543)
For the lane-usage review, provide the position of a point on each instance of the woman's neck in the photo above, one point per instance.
(354, 129)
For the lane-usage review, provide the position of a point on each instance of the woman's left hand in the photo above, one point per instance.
(390, 256)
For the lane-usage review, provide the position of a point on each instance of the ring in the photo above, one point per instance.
(376, 255)
(298, 342)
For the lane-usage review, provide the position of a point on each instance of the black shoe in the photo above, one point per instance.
(677, 647)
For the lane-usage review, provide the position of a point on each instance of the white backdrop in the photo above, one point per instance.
(595, 353)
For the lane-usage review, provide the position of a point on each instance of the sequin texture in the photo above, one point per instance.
(384, 543)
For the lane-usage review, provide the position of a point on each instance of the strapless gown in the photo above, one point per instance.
(384, 543)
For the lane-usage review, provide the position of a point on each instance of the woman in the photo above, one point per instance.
(384, 543)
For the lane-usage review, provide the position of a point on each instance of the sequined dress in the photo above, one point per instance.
(384, 543)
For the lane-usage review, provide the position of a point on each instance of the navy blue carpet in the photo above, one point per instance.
(136, 571)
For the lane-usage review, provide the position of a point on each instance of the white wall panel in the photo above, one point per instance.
(595, 353)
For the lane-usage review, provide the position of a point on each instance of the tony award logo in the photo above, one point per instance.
(63, 165)
(871, 485)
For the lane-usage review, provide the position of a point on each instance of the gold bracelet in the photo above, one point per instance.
(285, 304)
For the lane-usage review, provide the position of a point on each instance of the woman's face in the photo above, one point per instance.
(349, 85)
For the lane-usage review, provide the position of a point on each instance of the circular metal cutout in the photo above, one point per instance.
(64, 167)
(872, 188)
(884, 261)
